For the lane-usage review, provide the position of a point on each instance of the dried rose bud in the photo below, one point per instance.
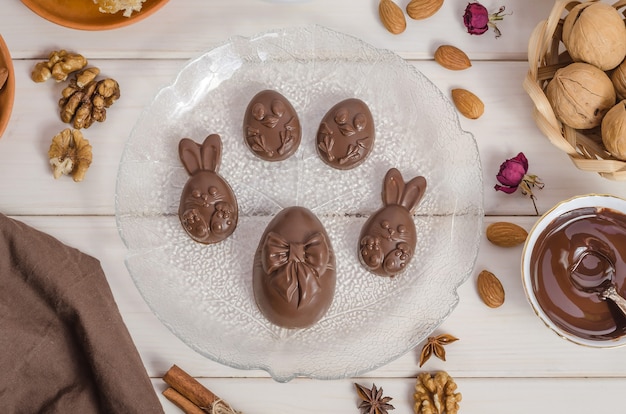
(513, 174)
(477, 19)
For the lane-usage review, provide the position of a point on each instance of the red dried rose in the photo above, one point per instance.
(477, 19)
(513, 174)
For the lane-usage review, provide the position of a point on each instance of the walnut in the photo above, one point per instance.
(580, 94)
(618, 77)
(87, 75)
(436, 394)
(70, 153)
(614, 130)
(59, 66)
(595, 33)
(85, 100)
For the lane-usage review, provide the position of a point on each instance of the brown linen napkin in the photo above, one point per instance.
(64, 347)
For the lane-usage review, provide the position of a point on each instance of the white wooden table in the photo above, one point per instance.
(506, 360)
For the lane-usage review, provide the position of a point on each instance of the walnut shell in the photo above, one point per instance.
(595, 33)
(618, 77)
(580, 94)
(614, 130)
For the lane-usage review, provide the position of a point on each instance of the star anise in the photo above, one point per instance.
(434, 345)
(373, 401)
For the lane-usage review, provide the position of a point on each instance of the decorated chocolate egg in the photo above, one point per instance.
(294, 273)
(271, 126)
(346, 134)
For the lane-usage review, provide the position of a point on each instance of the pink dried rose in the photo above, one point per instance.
(513, 174)
(478, 20)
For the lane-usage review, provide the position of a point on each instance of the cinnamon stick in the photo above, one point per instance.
(181, 402)
(189, 387)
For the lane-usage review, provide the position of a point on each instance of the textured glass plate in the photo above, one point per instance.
(204, 293)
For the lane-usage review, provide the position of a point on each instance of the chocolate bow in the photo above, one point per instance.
(295, 267)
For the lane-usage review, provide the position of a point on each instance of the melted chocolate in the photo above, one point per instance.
(346, 134)
(388, 238)
(563, 246)
(208, 208)
(294, 269)
(271, 127)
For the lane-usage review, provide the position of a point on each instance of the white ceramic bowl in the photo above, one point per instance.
(529, 274)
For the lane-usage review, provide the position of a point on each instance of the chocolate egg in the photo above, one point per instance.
(346, 134)
(271, 127)
(208, 207)
(294, 274)
(388, 238)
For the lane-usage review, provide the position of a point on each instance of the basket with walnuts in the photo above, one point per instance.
(577, 82)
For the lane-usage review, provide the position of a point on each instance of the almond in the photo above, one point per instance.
(490, 289)
(422, 9)
(452, 58)
(505, 234)
(468, 104)
(391, 16)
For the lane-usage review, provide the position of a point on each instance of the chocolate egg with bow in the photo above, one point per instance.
(271, 126)
(346, 134)
(294, 273)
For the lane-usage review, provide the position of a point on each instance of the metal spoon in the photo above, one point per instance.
(593, 272)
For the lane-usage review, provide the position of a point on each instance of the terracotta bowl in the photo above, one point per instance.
(560, 243)
(84, 14)
(7, 93)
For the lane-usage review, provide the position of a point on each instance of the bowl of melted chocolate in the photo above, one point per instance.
(574, 254)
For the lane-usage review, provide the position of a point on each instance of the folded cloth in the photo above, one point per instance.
(64, 347)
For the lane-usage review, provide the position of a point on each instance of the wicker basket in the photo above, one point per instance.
(546, 54)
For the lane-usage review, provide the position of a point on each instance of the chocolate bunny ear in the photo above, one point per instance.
(413, 193)
(212, 153)
(196, 157)
(396, 191)
(393, 187)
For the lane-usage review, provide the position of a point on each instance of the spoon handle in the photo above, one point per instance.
(611, 293)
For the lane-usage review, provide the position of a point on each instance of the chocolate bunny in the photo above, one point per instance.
(388, 238)
(208, 208)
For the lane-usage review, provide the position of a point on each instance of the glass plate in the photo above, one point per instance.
(84, 14)
(204, 293)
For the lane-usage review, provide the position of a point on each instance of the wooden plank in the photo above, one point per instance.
(480, 395)
(506, 360)
(188, 27)
(505, 129)
(509, 341)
